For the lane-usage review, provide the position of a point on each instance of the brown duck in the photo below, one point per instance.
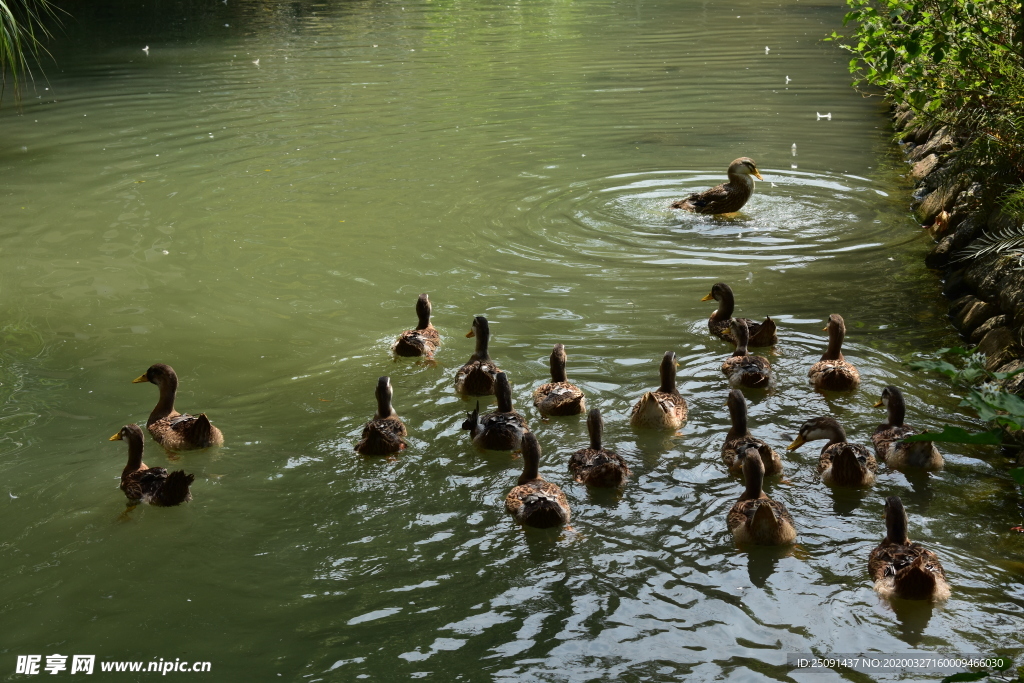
(738, 440)
(535, 502)
(153, 485)
(833, 372)
(173, 430)
(664, 408)
(559, 397)
(742, 368)
(383, 434)
(502, 429)
(727, 197)
(476, 377)
(888, 438)
(756, 518)
(720, 322)
(902, 569)
(596, 466)
(840, 463)
(422, 341)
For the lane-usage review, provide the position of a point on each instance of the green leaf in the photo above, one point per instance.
(1018, 476)
(958, 435)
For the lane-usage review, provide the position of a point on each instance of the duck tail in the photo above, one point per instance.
(607, 474)
(765, 334)
(176, 488)
(543, 511)
(764, 524)
(846, 469)
(472, 421)
(919, 453)
(200, 430)
(916, 581)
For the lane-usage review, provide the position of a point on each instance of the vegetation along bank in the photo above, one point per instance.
(954, 73)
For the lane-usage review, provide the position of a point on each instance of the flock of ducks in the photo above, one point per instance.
(899, 567)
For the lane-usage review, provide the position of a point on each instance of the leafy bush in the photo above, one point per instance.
(22, 25)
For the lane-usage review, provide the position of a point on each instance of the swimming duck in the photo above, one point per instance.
(500, 430)
(422, 341)
(173, 430)
(745, 369)
(383, 434)
(559, 397)
(833, 372)
(477, 376)
(153, 485)
(738, 440)
(727, 197)
(903, 569)
(888, 438)
(664, 408)
(720, 322)
(536, 502)
(595, 466)
(840, 463)
(756, 518)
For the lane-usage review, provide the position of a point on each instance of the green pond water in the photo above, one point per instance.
(259, 199)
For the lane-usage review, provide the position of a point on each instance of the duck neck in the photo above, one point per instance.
(726, 305)
(483, 337)
(423, 313)
(742, 339)
(836, 334)
(503, 392)
(558, 367)
(836, 435)
(531, 465)
(668, 377)
(384, 407)
(134, 454)
(896, 529)
(743, 180)
(165, 406)
(738, 414)
(595, 427)
(755, 480)
(897, 410)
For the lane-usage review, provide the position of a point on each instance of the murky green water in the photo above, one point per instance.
(266, 227)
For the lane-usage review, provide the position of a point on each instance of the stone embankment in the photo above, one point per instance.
(987, 291)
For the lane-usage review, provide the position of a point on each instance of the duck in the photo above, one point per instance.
(888, 438)
(535, 502)
(422, 341)
(477, 376)
(755, 518)
(596, 466)
(559, 397)
(739, 440)
(383, 434)
(833, 372)
(728, 197)
(664, 408)
(742, 368)
(152, 485)
(902, 569)
(173, 430)
(840, 463)
(500, 430)
(720, 322)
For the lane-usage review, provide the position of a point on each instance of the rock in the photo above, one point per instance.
(974, 315)
(923, 167)
(1014, 384)
(1000, 347)
(939, 143)
(904, 116)
(981, 330)
(941, 200)
(954, 287)
(966, 232)
(961, 304)
(938, 257)
(939, 227)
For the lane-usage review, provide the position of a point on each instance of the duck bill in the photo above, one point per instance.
(757, 175)
(471, 333)
(116, 437)
(708, 298)
(878, 405)
(140, 378)
(796, 444)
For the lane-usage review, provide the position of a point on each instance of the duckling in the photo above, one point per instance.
(903, 569)
(559, 397)
(720, 322)
(742, 368)
(840, 463)
(727, 197)
(477, 376)
(738, 440)
(888, 438)
(664, 408)
(422, 341)
(501, 430)
(383, 434)
(153, 485)
(595, 466)
(173, 430)
(833, 372)
(535, 502)
(756, 518)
